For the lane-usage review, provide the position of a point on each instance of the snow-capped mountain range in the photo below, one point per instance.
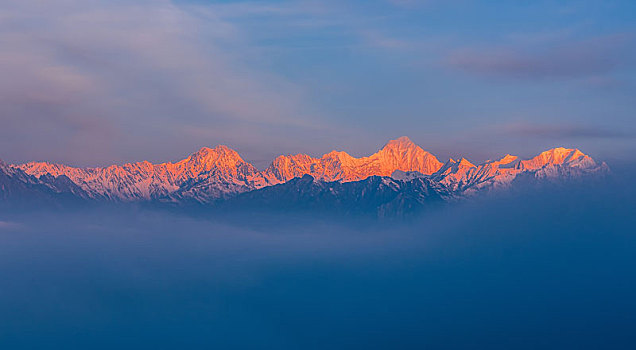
(214, 174)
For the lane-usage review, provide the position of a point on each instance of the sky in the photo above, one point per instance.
(91, 83)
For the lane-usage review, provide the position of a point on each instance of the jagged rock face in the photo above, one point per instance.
(558, 156)
(18, 188)
(401, 154)
(206, 174)
(558, 163)
(212, 174)
(376, 195)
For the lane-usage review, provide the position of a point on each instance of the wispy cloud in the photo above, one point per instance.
(409, 4)
(104, 77)
(560, 131)
(243, 9)
(91, 82)
(343, 22)
(6, 225)
(595, 56)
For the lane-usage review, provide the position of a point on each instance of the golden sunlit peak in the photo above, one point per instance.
(558, 150)
(464, 162)
(336, 153)
(562, 152)
(554, 156)
(217, 149)
(206, 154)
(400, 142)
(508, 158)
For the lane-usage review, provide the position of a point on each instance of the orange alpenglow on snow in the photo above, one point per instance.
(556, 156)
(400, 154)
(212, 173)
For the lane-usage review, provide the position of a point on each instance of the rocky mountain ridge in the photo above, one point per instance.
(214, 174)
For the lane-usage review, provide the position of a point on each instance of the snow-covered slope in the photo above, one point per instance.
(19, 188)
(400, 154)
(208, 174)
(211, 174)
(558, 163)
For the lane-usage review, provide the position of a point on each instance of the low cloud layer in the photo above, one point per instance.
(498, 273)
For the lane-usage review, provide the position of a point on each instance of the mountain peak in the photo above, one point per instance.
(556, 156)
(562, 152)
(337, 154)
(212, 173)
(220, 150)
(506, 162)
(218, 157)
(464, 162)
(401, 142)
(403, 154)
(507, 159)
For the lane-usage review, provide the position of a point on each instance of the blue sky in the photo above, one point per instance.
(96, 82)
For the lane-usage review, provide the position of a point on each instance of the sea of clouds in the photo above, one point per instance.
(537, 268)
